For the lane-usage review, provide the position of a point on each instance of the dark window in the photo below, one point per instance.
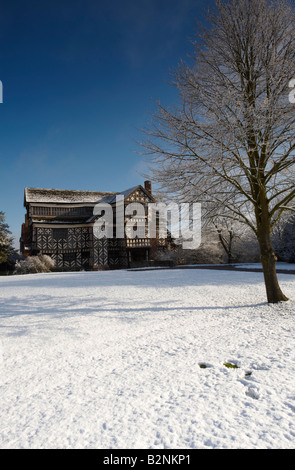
(59, 233)
(69, 257)
(85, 258)
(49, 211)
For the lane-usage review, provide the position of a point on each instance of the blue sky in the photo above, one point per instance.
(80, 78)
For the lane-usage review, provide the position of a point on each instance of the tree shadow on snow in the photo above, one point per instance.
(32, 313)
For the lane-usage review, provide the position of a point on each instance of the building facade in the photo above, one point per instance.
(61, 224)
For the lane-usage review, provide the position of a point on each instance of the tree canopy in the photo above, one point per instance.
(5, 239)
(230, 143)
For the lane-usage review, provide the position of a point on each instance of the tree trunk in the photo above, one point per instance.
(268, 260)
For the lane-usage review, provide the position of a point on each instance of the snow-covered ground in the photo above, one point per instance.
(112, 360)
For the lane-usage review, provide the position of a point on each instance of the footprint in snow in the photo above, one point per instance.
(253, 392)
(229, 365)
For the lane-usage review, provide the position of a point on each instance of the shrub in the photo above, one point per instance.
(34, 264)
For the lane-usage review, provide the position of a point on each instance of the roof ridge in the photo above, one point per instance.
(69, 190)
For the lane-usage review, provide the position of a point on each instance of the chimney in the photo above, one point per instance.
(148, 186)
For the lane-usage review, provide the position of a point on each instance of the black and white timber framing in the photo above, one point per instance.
(59, 223)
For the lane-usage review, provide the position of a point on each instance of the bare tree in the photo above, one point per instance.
(226, 235)
(283, 238)
(230, 142)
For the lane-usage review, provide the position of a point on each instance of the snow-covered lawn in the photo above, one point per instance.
(111, 360)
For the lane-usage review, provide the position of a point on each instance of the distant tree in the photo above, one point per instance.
(288, 245)
(5, 240)
(236, 239)
(226, 235)
(230, 144)
(284, 239)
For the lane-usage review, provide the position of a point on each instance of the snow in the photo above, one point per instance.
(42, 195)
(112, 360)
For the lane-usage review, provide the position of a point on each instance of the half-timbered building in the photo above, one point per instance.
(61, 224)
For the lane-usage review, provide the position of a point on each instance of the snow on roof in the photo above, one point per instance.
(65, 196)
(111, 199)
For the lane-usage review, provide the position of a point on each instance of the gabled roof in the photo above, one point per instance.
(112, 199)
(63, 196)
(66, 196)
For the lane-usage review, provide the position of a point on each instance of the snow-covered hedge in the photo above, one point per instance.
(34, 264)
